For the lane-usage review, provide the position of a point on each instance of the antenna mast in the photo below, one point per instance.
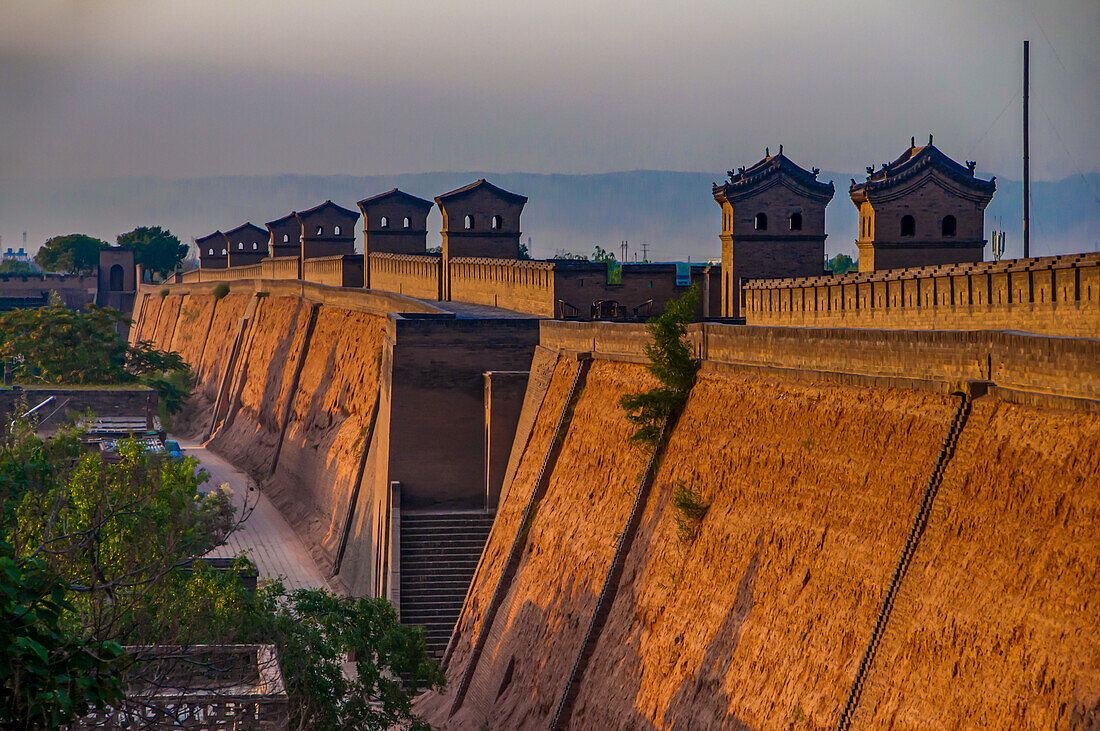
(1027, 171)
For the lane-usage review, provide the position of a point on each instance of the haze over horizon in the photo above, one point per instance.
(117, 89)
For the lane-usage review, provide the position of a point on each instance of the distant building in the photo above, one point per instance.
(773, 224)
(923, 209)
(213, 251)
(20, 256)
(327, 230)
(247, 244)
(286, 236)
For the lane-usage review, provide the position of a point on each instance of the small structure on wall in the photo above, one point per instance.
(394, 222)
(922, 209)
(327, 230)
(285, 236)
(773, 224)
(247, 244)
(213, 251)
(480, 220)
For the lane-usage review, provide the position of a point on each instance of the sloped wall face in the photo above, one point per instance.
(327, 426)
(189, 340)
(167, 321)
(761, 619)
(997, 624)
(250, 435)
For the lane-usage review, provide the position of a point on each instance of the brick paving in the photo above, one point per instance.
(268, 539)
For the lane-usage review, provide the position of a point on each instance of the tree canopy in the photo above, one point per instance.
(155, 248)
(842, 264)
(71, 253)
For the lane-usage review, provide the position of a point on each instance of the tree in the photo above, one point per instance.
(72, 253)
(156, 249)
(841, 264)
(671, 362)
(11, 266)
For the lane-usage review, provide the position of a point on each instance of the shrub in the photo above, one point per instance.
(163, 293)
(690, 511)
(671, 362)
(221, 290)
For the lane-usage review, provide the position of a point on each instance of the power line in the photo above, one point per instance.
(997, 119)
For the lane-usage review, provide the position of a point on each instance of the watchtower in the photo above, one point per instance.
(285, 236)
(923, 209)
(247, 244)
(773, 224)
(479, 220)
(213, 251)
(327, 230)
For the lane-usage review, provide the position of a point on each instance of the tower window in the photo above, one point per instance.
(947, 226)
(908, 226)
(469, 222)
(240, 245)
(320, 230)
(760, 223)
(223, 252)
(255, 246)
(211, 252)
(496, 222)
(286, 238)
(384, 223)
(336, 231)
(796, 222)
(406, 223)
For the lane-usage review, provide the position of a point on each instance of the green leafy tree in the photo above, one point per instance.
(72, 253)
(54, 344)
(155, 248)
(671, 362)
(601, 254)
(841, 264)
(11, 266)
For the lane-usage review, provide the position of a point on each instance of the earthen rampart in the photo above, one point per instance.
(1056, 295)
(810, 455)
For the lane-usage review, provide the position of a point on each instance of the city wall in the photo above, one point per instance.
(810, 450)
(327, 396)
(1057, 295)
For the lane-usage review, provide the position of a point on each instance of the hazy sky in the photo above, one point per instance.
(180, 88)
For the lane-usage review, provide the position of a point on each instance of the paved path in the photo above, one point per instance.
(269, 540)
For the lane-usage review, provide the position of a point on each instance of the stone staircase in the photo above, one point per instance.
(439, 553)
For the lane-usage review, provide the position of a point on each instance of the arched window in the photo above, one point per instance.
(336, 231)
(255, 246)
(469, 222)
(796, 222)
(385, 222)
(761, 222)
(406, 223)
(116, 277)
(908, 226)
(240, 245)
(211, 252)
(223, 252)
(286, 238)
(497, 222)
(947, 226)
(320, 230)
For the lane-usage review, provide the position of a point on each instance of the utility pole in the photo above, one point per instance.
(1027, 170)
(645, 252)
(625, 249)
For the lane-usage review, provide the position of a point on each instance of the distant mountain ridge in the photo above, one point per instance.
(671, 213)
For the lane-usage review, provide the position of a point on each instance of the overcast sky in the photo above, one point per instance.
(179, 88)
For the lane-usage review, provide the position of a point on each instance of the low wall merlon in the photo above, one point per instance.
(1044, 364)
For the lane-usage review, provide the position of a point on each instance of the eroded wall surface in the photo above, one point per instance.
(760, 621)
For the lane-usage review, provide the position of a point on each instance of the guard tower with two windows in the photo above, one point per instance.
(773, 224)
(327, 230)
(247, 245)
(394, 222)
(479, 220)
(923, 209)
(285, 236)
(213, 251)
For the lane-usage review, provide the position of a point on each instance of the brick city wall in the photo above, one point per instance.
(335, 271)
(514, 284)
(1057, 295)
(1038, 364)
(412, 276)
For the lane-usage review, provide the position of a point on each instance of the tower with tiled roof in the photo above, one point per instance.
(395, 222)
(773, 224)
(213, 251)
(247, 244)
(327, 230)
(285, 236)
(480, 220)
(922, 209)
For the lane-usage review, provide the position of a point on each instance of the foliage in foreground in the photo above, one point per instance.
(103, 555)
(671, 362)
(54, 344)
